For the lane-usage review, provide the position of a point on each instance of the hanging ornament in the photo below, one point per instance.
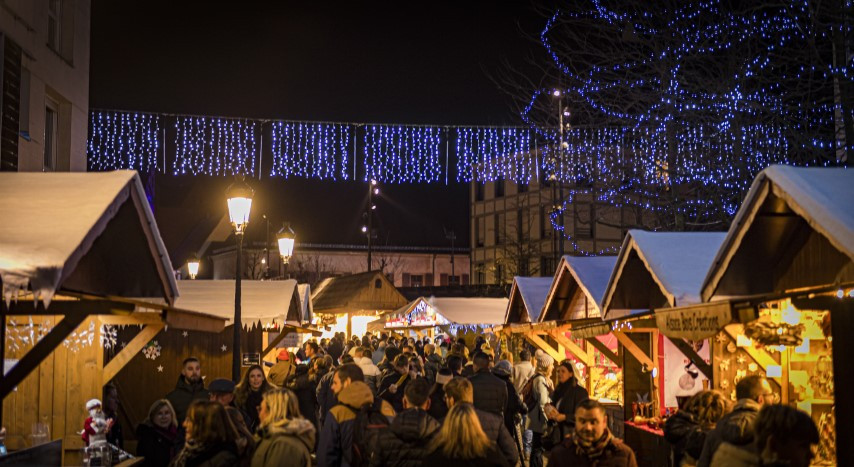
(152, 350)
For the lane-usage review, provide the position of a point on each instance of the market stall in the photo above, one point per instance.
(464, 317)
(785, 272)
(348, 303)
(72, 246)
(657, 270)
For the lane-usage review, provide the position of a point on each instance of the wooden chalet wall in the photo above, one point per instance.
(140, 383)
(635, 380)
(56, 394)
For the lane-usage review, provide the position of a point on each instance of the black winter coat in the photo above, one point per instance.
(158, 447)
(438, 407)
(516, 408)
(406, 441)
(493, 426)
(306, 391)
(396, 398)
(490, 392)
(735, 428)
(676, 431)
(184, 394)
(492, 458)
(566, 399)
(326, 398)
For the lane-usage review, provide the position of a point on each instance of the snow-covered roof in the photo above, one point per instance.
(780, 198)
(533, 292)
(261, 301)
(87, 232)
(676, 261)
(589, 273)
(307, 313)
(461, 310)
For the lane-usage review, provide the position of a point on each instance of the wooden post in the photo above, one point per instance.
(349, 325)
(605, 351)
(539, 342)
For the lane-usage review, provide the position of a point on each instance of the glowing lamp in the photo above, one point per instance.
(239, 196)
(193, 267)
(286, 239)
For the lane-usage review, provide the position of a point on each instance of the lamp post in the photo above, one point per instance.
(239, 196)
(373, 190)
(450, 235)
(193, 266)
(286, 239)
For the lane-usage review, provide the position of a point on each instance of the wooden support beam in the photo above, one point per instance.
(32, 359)
(136, 344)
(65, 307)
(605, 350)
(633, 349)
(132, 319)
(540, 343)
(573, 348)
(272, 345)
(688, 351)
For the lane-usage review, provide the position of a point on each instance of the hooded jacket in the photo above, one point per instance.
(406, 441)
(676, 431)
(490, 392)
(373, 375)
(493, 426)
(281, 371)
(184, 394)
(336, 436)
(305, 389)
(735, 428)
(290, 444)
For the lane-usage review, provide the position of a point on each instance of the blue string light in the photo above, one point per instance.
(311, 150)
(123, 140)
(489, 154)
(402, 154)
(214, 146)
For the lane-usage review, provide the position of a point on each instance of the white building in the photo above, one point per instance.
(45, 84)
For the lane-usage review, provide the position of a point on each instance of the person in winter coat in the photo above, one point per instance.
(490, 392)
(523, 370)
(394, 383)
(405, 442)
(567, 395)
(686, 431)
(591, 444)
(210, 438)
(222, 391)
(515, 408)
(783, 436)
(285, 438)
(325, 396)
(432, 361)
(248, 394)
(438, 408)
(189, 388)
(284, 368)
(305, 389)
(386, 366)
(373, 375)
(336, 437)
(459, 390)
(736, 427)
(462, 442)
(157, 436)
(537, 419)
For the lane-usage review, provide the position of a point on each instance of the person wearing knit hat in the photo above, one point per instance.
(284, 368)
(541, 392)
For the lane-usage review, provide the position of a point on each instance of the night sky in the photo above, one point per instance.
(349, 62)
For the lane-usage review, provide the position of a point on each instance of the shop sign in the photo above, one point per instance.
(693, 322)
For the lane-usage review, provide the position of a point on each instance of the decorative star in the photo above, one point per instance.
(160, 368)
(165, 328)
(224, 348)
(124, 344)
(185, 333)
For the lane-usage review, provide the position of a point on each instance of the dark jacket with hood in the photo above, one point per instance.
(306, 391)
(406, 441)
(184, 394)
(676, 431)
(566, 397)
(490, 392)
(735, 428)
(438, 407)
(493, 426)
(393, 398)
(290, 444)
(336, 437)
(516, 408)
(326, 398)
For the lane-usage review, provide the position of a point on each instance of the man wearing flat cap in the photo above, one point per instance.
(222, 391)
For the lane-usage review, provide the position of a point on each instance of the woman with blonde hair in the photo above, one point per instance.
(210, 437)
(157, 435)
(462, 442)
(247, 394)
(286, 437)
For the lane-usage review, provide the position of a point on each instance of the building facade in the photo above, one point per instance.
(512, 233)
(404, 266)
(44, 46)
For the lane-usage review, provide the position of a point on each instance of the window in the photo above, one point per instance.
(547, 266)
(480, 230)
(50, 135)
(497, 228)
(478, 191)
(480, 274)
(24, 108)
(416, 280)
(499, 188)
(524, 267)
(378, 284)
(499, 274)
(54, 25)
(453, 280)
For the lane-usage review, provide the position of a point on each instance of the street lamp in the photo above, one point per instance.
(239, 198)
(193, 266)
(286, 239)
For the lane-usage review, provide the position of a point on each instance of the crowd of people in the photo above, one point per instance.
(382, 401)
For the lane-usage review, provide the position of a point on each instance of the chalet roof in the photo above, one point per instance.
(659, 269)
(367, 291)
(532, 292)
(785, 209)
(459, 310)
(85, 232)
(266, 302)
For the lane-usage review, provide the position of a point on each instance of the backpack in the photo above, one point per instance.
(369, 424)
(527, 393)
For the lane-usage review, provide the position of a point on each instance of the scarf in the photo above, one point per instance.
(591, 449)
(191, 450)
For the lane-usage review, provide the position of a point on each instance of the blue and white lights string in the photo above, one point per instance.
(402, 154)
(311, 150)
(489, 154)
(123, 140)
(215, 146)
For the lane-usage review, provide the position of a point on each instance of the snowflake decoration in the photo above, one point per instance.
(19, 336)
(152, 350)
(724, 384)
(725, 364)
(224, 348)
(741, 359)
(721, 338)
(109, 335)
(78, 340)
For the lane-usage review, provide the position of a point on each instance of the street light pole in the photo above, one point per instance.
(235, 344)
(239, 198)
(372, 190)
(450, 235)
